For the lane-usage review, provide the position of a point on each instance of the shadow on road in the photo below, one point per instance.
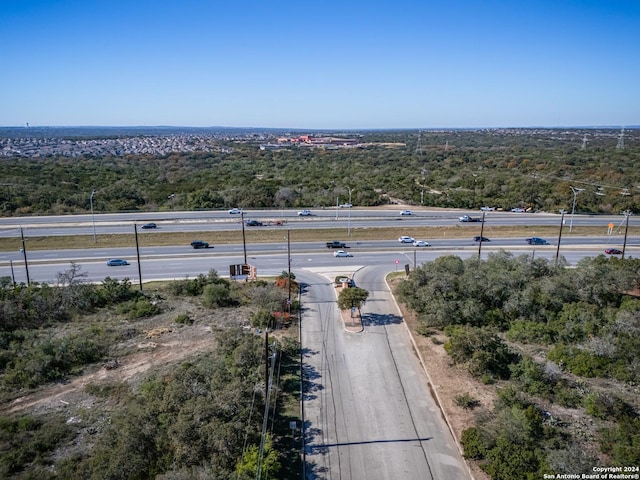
(378, 319)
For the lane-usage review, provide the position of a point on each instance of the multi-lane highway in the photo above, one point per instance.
(204, 221)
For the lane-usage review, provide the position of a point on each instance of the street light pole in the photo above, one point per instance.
(171, 197)
(93, 220)
(575, 191)
(349, 219)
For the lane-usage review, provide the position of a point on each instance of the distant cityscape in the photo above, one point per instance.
(38, 142)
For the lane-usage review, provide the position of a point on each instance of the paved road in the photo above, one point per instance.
(368, 410)
(205, 221)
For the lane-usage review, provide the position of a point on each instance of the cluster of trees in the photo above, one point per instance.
(585, 319)
(498, 168)
(200, 419)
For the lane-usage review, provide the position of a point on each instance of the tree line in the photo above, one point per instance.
(583, 324)
(457, 169)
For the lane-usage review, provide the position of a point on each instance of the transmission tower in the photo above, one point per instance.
(620, 145)
(418, 145)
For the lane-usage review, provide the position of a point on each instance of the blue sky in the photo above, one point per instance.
(335, 65)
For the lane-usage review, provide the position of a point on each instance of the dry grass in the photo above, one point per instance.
(277, 234)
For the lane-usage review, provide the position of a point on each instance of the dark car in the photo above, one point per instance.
(613, 251)
(478, 238)
(537, 241)
(149, 225)
(117, 262)
(253, 223)
(199, 244)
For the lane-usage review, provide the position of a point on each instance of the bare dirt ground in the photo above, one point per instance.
(158, 342)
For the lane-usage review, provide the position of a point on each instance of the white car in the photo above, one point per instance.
(406, 212)
(487, 209)
(518, 210)
(421, 243)
(304, 213)
(406, 239)
(346, 205)
(234, 211)
(342, 253)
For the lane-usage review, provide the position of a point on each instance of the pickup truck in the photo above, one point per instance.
(336, 244)
(467, 218)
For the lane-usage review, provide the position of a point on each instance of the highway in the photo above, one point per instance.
(212, 221)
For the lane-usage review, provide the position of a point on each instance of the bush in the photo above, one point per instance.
(263, 319)
(217, 295)
(183, 319)
(140, 308)
(473, 443)
(466, 401)
(481, 349)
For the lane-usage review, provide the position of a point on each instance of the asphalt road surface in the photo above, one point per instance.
(368, 409)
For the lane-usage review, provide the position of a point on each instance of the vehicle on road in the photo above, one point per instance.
(346, 205)
(305, 213)
(536, 241)
(199, 244)
(421, 243)
(235, 211)
(467, 218)
(406, 212)
(478, 238)
(336, 244)
(253, 223)
(117, 262)
(149, 225)
(613, 251)
(341, 253)
(518, 210)
(487, 209)
(406, 239)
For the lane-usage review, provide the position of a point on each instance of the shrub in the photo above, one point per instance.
(217, 295)
(140, 308)
(183, 319)
(263, 319)
(481, 349)
(473, 443)
(466, 401)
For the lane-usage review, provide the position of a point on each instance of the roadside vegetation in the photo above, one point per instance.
(560, 345)
(196, 417)
(507, 169)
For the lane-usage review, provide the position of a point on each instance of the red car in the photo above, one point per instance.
(613, 251)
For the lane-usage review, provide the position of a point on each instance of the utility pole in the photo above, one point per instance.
(24, 255)
(93, 219)
(244, 239)
(13, 276)
(627, 214)
(349, 219)
(559, 237)
(135, 232)
(289, 268)
(481, 235)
